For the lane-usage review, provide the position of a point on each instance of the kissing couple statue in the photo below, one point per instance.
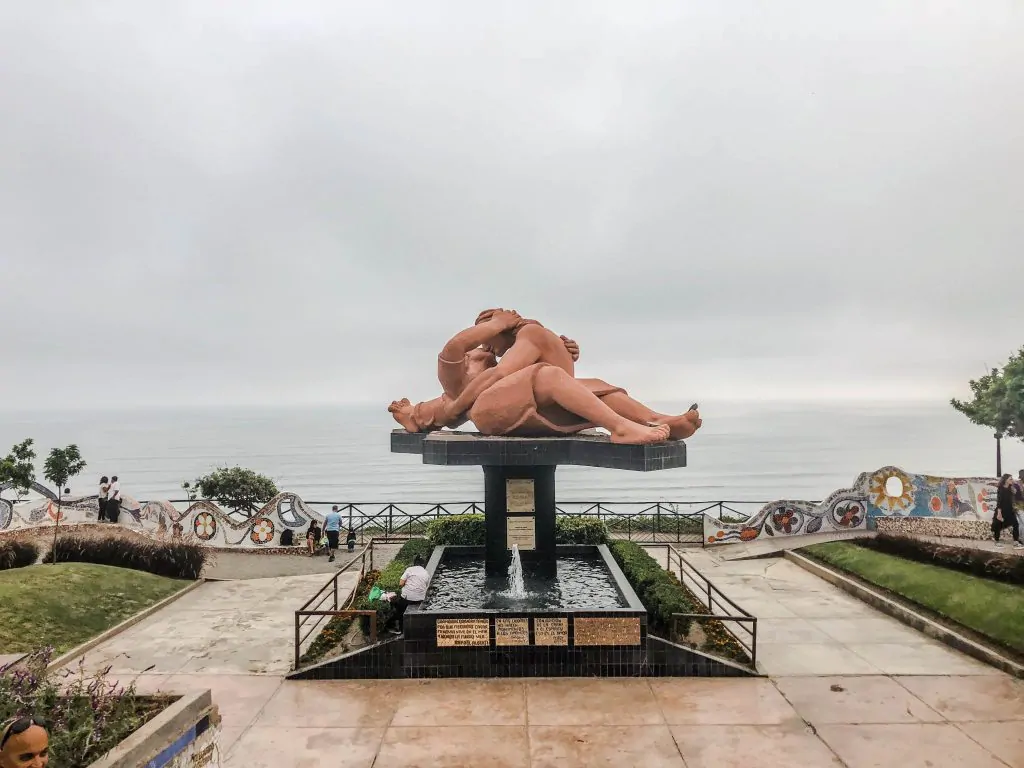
(514, 377)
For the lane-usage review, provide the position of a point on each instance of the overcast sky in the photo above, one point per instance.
(220, 202)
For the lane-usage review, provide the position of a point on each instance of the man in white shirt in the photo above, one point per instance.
(413, 585)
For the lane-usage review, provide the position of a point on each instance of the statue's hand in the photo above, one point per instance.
(507, 319)
(572, 347)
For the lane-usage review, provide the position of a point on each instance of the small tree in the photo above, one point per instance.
(19, 467)
(237, 488)
(998, 403)
(191, 490)
(61, 465)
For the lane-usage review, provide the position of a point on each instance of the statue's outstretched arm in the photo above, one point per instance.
(460, 344)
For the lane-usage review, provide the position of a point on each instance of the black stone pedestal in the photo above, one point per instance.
(519, 481)
(519, 508)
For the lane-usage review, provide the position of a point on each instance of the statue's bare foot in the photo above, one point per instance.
(402, 411)
(682, 426)
(638, 434)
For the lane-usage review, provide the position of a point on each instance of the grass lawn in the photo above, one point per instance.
(64, 605)
(991, 608)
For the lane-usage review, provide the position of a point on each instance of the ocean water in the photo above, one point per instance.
(744, 452)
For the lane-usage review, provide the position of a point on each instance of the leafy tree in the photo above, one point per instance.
(61, 465)
(237, 488)
(998, 403)
(19, 467)
(191, 490)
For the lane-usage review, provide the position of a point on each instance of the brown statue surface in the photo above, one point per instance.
(512, 376)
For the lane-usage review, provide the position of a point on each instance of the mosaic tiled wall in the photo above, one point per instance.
(957, 505)
(202, 522)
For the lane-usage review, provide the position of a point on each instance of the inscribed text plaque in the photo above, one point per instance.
(521, 530)
(618, 631)
(511, 631)
(519, 496)
(453, 633)
(550, 631)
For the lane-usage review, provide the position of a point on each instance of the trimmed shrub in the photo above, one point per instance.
(469, 531)
(457, 530)
(17, 553)
(174, 559)
(997, 566)
(659, 591)
(580, 530)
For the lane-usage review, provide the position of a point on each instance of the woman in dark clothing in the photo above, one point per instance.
(350, 540)
(313, 537)
(1005, 515)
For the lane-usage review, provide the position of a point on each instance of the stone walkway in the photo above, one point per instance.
(847, 687)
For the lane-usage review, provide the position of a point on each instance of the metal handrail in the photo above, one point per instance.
(330, 591)
(703, 588)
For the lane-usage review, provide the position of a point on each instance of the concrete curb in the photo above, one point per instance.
(905, 615)
(131, 621)
(160, 732)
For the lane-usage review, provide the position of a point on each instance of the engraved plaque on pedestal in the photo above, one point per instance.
(511, 631)
(550, 631)
(619, 631)
(521, 530)
(519, 496)
(453, 633)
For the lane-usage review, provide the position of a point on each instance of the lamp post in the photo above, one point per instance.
(999, 454)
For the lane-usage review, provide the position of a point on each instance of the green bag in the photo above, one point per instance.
(375, 594)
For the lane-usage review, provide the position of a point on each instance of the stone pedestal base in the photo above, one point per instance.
(519, 507)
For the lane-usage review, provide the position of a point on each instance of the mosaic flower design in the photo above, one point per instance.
(56, 513)
(848, 515)
(935, 504)
(262, 531)
(879, 496)
(786, 520)
(205, 526)
(6, 514)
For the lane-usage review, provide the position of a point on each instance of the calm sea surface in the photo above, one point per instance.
(745, 451)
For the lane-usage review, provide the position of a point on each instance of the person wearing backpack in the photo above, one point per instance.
(1006, 515)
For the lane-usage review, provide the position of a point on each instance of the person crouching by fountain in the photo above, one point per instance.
(413, 586)
(24, 743)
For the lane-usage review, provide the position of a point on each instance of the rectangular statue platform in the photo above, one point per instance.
(586, 449)
(519, 481)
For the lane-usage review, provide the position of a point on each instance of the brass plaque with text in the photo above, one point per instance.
(519, 496)
(550, 631)
(511, 631)
(521, 530)
(453, 633)
(618, 631)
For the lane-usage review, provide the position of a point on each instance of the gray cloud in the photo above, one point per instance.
(246, 202)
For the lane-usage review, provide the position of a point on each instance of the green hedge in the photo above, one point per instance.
(469, 531)
(659, 591)
(662, 595)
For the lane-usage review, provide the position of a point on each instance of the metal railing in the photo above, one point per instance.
(739, 623)
(679, 522)
(313, 608)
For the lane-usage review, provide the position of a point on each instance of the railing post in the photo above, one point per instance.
(709, 594)
(335, 581)
(371, 554)
(391, 508)
(753, 650)
(373, 627)
(297, 641)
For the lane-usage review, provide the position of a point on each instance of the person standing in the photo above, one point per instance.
(114, 500)
(350, 539)
(1006, 515)
(103, 498)
(332, 529)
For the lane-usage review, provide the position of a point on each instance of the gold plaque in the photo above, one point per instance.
(511, 631)
(521, 530)
(619, 631)
(452, 633)
(519, 496)
(550, 631)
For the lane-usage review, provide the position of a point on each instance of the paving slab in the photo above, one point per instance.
(917, 745)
